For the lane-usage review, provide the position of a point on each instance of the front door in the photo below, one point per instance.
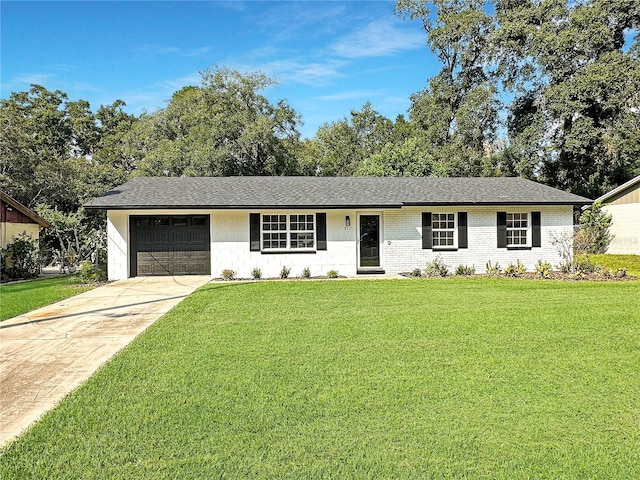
(369, 242)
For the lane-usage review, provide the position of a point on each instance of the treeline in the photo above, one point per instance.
(544, 89)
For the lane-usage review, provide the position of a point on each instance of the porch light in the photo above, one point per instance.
(347, 221)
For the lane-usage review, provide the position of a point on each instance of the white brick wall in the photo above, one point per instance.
(403, 241)
(400, 233)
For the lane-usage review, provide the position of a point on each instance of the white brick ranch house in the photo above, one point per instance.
(203, 225)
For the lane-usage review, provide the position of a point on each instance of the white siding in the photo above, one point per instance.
(117, 244)
(401, 231)
(625, 227)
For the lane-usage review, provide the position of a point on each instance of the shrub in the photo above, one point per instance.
(436, 268)
(306, 272)
(493, 270)
(594, 235)
(543, 269)
(516, 270)
(256, 273)
(332, 274)
(91, 273)
(284, 273)
(228, 274)
(20, 259)
(416, 272)
(465, 270)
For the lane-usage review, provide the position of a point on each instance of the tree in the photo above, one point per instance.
(457, 114)
(574, 123)
(342, 146)
(223, 127)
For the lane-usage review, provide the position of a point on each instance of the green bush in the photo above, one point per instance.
(594, 235)
(436, 268)
(228, 274)
(332, 274)
(20, 259)
(91, 273)
(516, 270)
(284, 273)
(465, 270)
(256, 273)
(306, 272)
(416, 272)
(543, 269)
(493, 270)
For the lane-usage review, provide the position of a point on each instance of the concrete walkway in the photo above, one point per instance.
(48, 352)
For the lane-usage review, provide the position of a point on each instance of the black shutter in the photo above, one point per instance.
(427, 238)
(321, 230)
(462, 230)
(536, 237)
(254, 232)
(502, 229)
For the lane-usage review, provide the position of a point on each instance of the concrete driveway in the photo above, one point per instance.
(48, 352)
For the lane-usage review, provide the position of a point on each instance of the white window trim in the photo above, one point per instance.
(455, 231)
(527, 231)
(288, 231)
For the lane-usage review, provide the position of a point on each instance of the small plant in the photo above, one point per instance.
(621, 273)
(543, 269)
(516, 270)
(416, 272)
(493, 270)
(91, 273)
(465, 270)
(284, 273)
(306, 272)
(332, 274)
(256, 273)
(436, 268)
(228, 274)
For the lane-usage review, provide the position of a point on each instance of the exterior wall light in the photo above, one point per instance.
(347, 221)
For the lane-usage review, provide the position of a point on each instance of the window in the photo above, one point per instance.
(443, 230)
(301, 231)
(274, 231)
(281, 233)
(517, 226)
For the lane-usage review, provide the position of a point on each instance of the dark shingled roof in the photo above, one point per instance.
(327, 192)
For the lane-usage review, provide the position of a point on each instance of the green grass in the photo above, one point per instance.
(452, 378)
(614, 262)
(19, 298)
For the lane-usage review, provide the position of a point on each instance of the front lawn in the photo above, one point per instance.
(614, 262)
(19, 298)
(450, 378)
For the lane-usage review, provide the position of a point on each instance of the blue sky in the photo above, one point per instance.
(328, 57)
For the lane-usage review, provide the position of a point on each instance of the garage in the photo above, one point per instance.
(170, 245)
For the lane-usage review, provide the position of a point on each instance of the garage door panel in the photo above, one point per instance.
(170, 245)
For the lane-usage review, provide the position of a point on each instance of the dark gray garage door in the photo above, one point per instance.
(170, 245)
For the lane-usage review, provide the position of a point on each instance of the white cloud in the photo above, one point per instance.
(171, 50)
(377, 39)
(349, 95)
(157, 95)
(32, 78)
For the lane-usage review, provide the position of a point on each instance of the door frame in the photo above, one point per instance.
(380, 267)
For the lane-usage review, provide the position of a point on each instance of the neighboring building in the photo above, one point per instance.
(198, 225)
(16, 219)
(623, 203)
